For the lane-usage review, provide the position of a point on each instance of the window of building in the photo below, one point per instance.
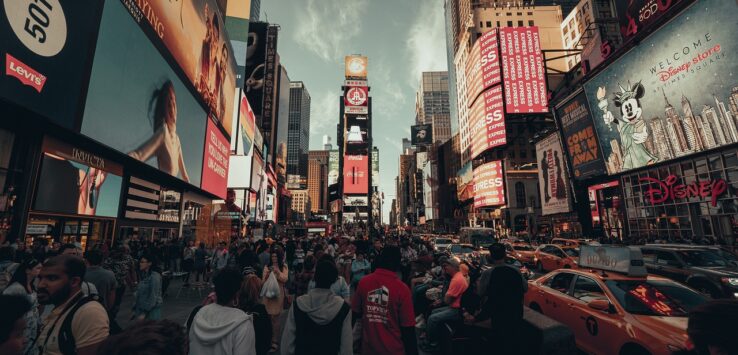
(520, 14)
(520, 194)
(509, 24)
(520, 23)
(489, 23)
(481, 24)
(531, 23)
(498, 23)
(508, 14)
(530, 14)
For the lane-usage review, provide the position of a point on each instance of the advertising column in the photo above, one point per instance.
(552, 178)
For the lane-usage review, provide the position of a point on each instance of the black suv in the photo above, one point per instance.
(699, 268)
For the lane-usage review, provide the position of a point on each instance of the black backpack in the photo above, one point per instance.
(314, 339)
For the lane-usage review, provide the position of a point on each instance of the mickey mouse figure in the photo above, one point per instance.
(632, 127)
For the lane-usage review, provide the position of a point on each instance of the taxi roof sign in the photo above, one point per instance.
(620, 259)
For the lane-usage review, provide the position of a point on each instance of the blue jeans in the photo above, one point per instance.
(438, 319)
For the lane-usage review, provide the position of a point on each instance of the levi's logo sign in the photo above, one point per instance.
(24, 73)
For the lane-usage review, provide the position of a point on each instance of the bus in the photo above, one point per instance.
(478, 236)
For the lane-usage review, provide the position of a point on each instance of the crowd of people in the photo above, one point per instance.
(340, 295)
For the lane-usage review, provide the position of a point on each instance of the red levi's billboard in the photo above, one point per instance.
(489, 186)
(355, 174)
(487, 122)
(523, 70)
(215, 162)
(483, 65)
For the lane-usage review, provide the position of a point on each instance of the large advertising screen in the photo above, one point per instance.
(193, 31)
(552, 178)
(247, 123)
(488, 122)
(45, 46)
(74, 181)
(580, 138)
(255, 66)
(636, 15)
(674, 94)
(333, 164)
(215, 163)
(138, 105)
(355, 174)
(356, 100)
(523, 72)
(465, 182)
(489, 185)
(483, 65)
(422, 134)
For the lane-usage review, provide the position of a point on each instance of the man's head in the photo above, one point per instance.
(451, 265)
(497, 253)
(326, 274)
(390, 258)
(60, 278)
(94, 257)
(69, 249)
(227, 284)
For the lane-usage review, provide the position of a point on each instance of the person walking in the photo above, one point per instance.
(221, 328)
(359, 268)
(104, 280)
(250, 303)
(200, 257)
(319, 322)
(220, 257)
(22, 284)
(188, 260)
(123, 267)
(302, 280)
(78, 323)
(275, 305)
(148, 300)
(384, 306)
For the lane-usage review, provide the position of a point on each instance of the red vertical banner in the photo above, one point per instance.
(488, 122)
(523, 71)
(489, 186)
(215, 161)
(355, 174)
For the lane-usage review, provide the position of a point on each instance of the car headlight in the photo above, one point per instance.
(732, 281)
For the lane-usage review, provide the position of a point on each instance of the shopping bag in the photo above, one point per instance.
(270, 289)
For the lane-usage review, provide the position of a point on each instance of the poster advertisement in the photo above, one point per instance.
(465, 183)
(333, 164)
(44, 46)
(488, 121)
(149, 113)
(194, 33)
(636, 15)
(552, 180)
(580, 138)
(356, 67)
(355, 174)
(523, 71)
(270, 96)
(375, 167)
(215, 164)
(421, 134)
(489, 185)
(255, 66)
(356, 100)
(483, 65)
(74, 181)
(673, 95)
(247, 123)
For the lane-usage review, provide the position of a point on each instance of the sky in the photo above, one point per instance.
(402, 39)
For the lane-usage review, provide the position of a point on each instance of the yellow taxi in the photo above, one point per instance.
(613, 306)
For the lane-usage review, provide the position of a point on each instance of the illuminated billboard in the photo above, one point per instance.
(552, 180)
(356, 66)
(523, 72)
(487, 119)
(483, 65)
(580, 139)
(355, 174)
(489, 186)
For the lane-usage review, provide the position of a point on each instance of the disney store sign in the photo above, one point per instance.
(662, 191)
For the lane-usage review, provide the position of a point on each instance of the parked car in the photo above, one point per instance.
(700, 268)
(549, 257)
(521, 251)
(718, 249)
(563, 242)
(464, 251)
(440, 244)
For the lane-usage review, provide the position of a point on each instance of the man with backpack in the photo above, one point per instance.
(319, 322)
(78, 324)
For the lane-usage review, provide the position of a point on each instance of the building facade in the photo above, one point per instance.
(317, 181)
(432, 104)
(298, 140)
(300, 204)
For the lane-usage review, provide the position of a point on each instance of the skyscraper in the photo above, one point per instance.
(317, 180)
(255, 10)
(675, 129)
(432, 104)
(692, 126)
(298, 139)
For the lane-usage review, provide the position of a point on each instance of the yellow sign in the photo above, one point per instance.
(356, 67)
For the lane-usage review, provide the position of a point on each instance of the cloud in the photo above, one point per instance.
(323, 115)
(327, 27)
(394, 143)
(426, 41)
(388, 98)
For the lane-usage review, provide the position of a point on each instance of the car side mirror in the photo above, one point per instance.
(600, 305)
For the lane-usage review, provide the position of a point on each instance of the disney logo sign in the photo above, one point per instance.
(661, 191)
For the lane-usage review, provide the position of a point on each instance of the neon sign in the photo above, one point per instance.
(670, 190)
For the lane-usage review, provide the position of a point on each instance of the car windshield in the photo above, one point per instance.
(702, 258)
(443, 241)
(655, 297)
(572, 252)
(523, 247)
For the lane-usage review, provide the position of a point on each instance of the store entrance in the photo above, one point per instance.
(69, 229)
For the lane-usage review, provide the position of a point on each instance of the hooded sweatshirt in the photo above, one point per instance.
(321, 305)
(221, 330)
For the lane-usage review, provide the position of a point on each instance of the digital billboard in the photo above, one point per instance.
(138, 105)
(333, 164)
(355, 174)
(636, 15)
(465, 182)
(422, 134)
(255, 67)
(247, 124)
(356, 66)
(489, 185)
(674, 94)
(215, 163)
(375, 167)
(487, 119)
(552, 180)
(523, 72)
(483, 65)
(44, 46)
(580, 139)
(78, 182)
(356, 100)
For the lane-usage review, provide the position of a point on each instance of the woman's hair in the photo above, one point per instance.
(12, 308)
(147, 338)
(250, 290)
(21, 272)
(158, 103)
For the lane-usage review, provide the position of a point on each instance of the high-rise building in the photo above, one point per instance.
(675, 129)
(317, 180)
(588, 26)
(298, 139)
(300, 203)
(255, 10)
(432, 104)
(327, 142)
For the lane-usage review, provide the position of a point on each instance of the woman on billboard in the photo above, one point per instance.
(164, 144)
